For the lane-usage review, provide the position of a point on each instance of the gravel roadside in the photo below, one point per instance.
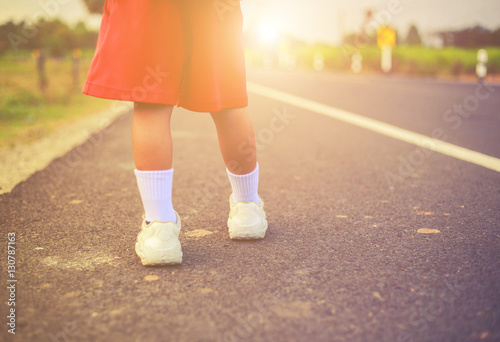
(19, 163)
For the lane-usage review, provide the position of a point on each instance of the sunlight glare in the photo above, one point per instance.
(268, 33)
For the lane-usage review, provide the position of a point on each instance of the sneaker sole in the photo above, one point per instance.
(255, 232)
(159, 257)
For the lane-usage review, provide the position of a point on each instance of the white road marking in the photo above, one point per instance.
(379, 127)
(338, 78)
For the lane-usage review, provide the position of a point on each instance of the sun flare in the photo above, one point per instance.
(268, 33)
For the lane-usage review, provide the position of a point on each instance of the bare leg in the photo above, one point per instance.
(158, 242)
(247, 218)
(236, 139)
(151, 137)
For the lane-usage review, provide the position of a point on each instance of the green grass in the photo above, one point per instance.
(27, 113)
(408, 60)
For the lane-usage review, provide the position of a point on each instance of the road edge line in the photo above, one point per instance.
(380, 127)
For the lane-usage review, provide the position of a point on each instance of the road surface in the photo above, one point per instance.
(370, 238)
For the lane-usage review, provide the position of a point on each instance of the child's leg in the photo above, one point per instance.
(151, 137)
(236, 139)
(237, 145)
(152, 148)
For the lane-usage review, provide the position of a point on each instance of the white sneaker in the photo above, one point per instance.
(247, 220)
(158, 243)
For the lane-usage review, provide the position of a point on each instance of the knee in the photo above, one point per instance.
(229, 112)
(149, 110)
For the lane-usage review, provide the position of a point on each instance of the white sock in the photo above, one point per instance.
(155, 188)
(245, 186)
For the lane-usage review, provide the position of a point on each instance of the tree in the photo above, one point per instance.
(55, 36)
(94, 6)
(495, 37)
(413, 37)
(472, 37)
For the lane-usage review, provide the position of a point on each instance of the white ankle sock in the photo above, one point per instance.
(155, 188)
(245, 186)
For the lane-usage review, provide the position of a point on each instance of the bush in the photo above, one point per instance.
(16, 106)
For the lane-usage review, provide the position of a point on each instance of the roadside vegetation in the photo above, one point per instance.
(407, 60)
(27, 112)
(36, 100)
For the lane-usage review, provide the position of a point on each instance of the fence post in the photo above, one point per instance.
(318, 61)
(39, 56)
(77, 54)
(356, 63)
(481, 66)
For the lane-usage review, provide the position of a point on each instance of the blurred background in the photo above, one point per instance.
(46, 49)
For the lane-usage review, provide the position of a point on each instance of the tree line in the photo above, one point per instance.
(468, 38)
(472, 37)
(54, 36)
(57, 37)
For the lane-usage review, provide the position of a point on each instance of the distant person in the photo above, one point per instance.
(188, 53)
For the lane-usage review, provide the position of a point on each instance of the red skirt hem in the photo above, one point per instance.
(162, 97)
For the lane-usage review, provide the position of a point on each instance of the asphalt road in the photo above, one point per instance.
(344, 259)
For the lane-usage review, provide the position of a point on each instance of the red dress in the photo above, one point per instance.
(187, 53)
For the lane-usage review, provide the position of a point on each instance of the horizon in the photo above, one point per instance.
(327, 21)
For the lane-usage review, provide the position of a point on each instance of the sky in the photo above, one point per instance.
(313, 21)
